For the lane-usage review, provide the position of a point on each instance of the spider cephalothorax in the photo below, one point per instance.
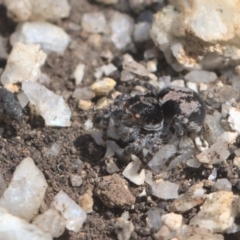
(148, 121)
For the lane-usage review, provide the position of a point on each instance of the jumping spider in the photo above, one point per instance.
(150, 120)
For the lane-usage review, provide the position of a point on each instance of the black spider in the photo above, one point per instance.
(150, 120)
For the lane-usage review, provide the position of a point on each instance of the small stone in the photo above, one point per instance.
(108, 69)
(51, 222)
(54, 150)
(94, 22)
(48, 104)
(111, 166)
(78, 73)
(194, 163)
(217, 212)
(223, 184)
(122, 27)
(50, 37)
(192, 86)
(186, 232)
(163, 234)
(201, 76)
(86, 202)
(131, 65)
(126, 75)
(193, 197)
(172, 220)
(14, 228)
(23, 64)
(88, 125)
(236, 161)
(152, 65)
(229, 137)
(84, 93)
(95, 41)
(233, 119)
(76, 180)
(141, 32)
(102, 103)
(160, 159)
(177, 83)
(123, 229)
(103, 87)
(165, 190)
(73, 214)
(154, 218)
(213, 175)
(217, 153)
(26, 191)
(84, 104)
(113, 192)
(23, 99)
(132, 174)
(52, 10)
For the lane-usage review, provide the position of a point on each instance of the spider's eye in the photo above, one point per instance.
(137, 116)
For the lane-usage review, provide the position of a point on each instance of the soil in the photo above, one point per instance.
(79, 153)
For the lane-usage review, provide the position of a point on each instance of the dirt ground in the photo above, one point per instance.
(79, 153)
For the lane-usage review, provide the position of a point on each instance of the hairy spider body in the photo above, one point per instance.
(150, 120)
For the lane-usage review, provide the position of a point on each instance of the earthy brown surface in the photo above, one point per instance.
(32, 138)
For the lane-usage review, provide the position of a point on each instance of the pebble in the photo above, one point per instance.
(165, 190)
(23, 99)
(108, 1)
(102, 103)
(123, 228)
(50, 37)
(52, 10)
(192, 86)
(2, 185)
(141, 32)
(114, 192)
(154, 218)
(217, 212)
(131, 65)
(223, 184)
(54, 150)
(201, 76)
(172, 220)
(88, 125)
(84, 104)
(132, 174)
(163, 233)
(14, 228)
(76, 180)
(236, 161)
(194, 163)
(48, 104)
(95, 41)
(160, 159)
(186, 232)
(213, 175)
(217, 153)
(73, 214)
(122, 26)
(126, 75)
(86, 202)
(78, 73)
(229, 137)
(94, 22)
(84, 93)
(111, 166)
(26, 191)
(103, 87)
(233, 119)
(193, 197)
(51, 222)
(23, 64)
(152, 65)
(108, 69)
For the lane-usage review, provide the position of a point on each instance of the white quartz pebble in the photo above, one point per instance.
(48, 104)
(51, 37)
(74, 215)
(26, 190)
(51, 222)
(14, 228)
(23, 64)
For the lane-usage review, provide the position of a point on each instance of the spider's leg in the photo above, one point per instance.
(134, 148)
(105, 124)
